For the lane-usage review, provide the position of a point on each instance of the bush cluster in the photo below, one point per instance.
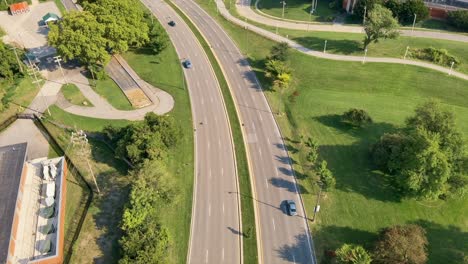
(459, 19)
(437, 56)
(402, 10)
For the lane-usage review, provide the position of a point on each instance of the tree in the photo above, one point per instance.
(312, 154)
(326, 176)
(410, 7)
(368, 5)
(279, 52)
(459, 19)
(9, 68)
(386, 153)
(158, 39)
(145, 240)
(356, 117)
(394, 6)
(79, 36)
(380, 24)
(123, 21)
(401, 245)
(279, 73)
(352, 254)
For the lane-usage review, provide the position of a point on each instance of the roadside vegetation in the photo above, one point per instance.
(16, 88)
(364, 202)
(146, 47)
(107, 88)
(74, 96)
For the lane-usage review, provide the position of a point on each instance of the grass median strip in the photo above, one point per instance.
(248, 217)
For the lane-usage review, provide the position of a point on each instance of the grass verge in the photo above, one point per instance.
(389, 93)
(164, 71)
(108, 89)
(248, 216)
(298, 9)
(60, 6)
(73, 95)
(25, 91)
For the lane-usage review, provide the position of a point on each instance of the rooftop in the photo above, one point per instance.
(12, 158)
(19, 6)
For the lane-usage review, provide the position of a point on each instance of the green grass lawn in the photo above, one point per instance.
(108, 89)
(362, 203)
(298, 9)
(73, 95)
(25, 92)
(164, 71)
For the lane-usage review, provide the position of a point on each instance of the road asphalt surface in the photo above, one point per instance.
(244, 9)
(215, 231)
(282, 238)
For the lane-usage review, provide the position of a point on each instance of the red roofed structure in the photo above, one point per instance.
(19, 8)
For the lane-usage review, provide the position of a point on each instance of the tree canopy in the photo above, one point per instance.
(79, 36)
(279, 52)
(352, 254)
(401, 245)
(123, 22)
(356, 117)
(380, 24)
(428, 157)
(279, 73)
(9, 68)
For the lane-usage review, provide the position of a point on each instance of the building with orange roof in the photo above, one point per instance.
(19, 8)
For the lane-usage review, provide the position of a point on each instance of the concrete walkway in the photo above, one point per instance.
(244, 9)
(225, 13)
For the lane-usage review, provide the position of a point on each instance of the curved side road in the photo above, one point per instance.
(215, 228)
(244, 9)
(270, 35)
(281, 238)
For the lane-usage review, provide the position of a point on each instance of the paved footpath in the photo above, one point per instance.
(244, 9)
(270, 35)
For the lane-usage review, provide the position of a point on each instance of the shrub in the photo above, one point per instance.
(326, 176)
(356, 117)
(459, 19)
(437, 56)
(409, 8)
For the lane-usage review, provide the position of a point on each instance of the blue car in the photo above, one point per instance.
(187, 64)
(290, 207)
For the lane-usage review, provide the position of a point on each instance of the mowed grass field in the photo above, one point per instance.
(297, 9)
(363, 202)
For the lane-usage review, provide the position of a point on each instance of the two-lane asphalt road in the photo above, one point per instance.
(215, 230)
(282, 238)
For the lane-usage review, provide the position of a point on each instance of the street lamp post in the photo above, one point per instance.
(365, 55)
(451, 67)
(406, 52)
(364, 17)
(414, 22)
(317, 205)
(325, 47)
(284, 4)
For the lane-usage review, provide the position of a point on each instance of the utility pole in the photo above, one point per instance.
(414, 22)
(406, 52)
(17, 58)
(364, 17)
(32, 71)
(58, 59)
(317, 205)
(284, 4)
(451, 67)
(79, 138)
(365, 55)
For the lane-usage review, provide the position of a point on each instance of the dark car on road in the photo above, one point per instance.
(187, 64)
(290, 207)
(172, 23)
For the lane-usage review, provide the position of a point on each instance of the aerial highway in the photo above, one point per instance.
(281, 238)
(215, 229)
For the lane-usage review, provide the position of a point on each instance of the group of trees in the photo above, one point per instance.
(104, 27)
(277, 68)
(10, 72)
(326, 178)
(428, 157)
(146, 144)
(402, 10)
(396, 245)
(459, 19)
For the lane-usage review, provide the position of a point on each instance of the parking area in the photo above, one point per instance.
(26, 30)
